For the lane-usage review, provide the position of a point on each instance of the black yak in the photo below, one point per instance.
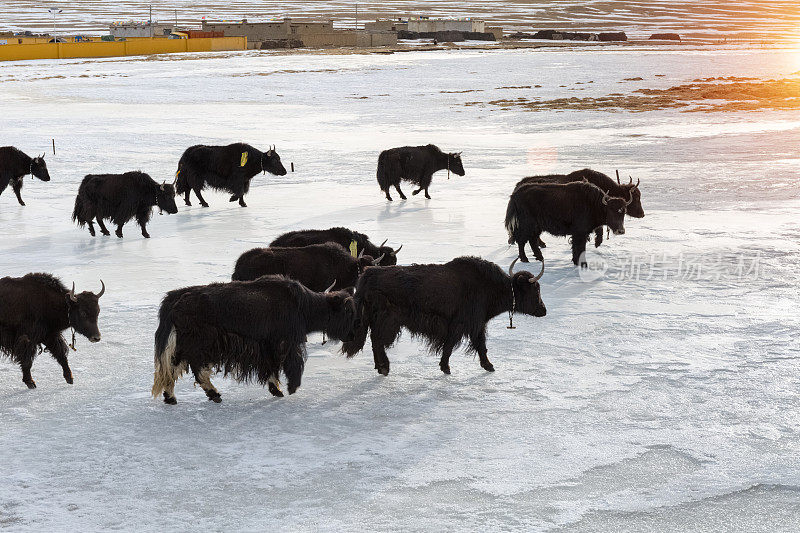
(443, 304)
(249, 329)
(572, 209)
(119, 198)
(620, 190)
(316, 266)
(15, 165)
(34, 310)
(343, 237)
(226, 168)
(415, 164)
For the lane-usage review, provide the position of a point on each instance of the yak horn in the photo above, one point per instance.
(102, 290)
(329, 288)
(163, 184)
(629, 202)
(637, 182)
(631, 179)
(394, 252)
(618, 182)
(72, 293)
(361, 254)
(384, 242)
(378, 260)
(606, 198)
(511, 268)
(539, 276)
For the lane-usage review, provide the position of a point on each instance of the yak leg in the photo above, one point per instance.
(444, 362)
(3, 184)
(203, 378)
(24, 352)
(579, 250)
(186, 199)
(141, 219)
(57, 347)
(478, 343)
(534, 242)
(397, 186)
(521, 253)
(90, 225)
(118, 231)
(16, 185)
(598, 237)
(379, 353)
(542, 243)
(103, 228)
(293, 368)
(275, 385)
(197, 193)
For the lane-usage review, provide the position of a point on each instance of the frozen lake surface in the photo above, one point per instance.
(660, 396)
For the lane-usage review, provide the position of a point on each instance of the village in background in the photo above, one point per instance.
(390, 34)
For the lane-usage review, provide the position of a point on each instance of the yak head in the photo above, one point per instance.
(271, 162)
(342, 317)
(39, 168)
(386, 255)
(165, 198)
(615, 212)
(527, 293)
(635, 209)
(365, 261)
(83, 309)
(454, 163)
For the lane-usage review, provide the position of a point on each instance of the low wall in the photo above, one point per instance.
(346, 38)
(131, 47)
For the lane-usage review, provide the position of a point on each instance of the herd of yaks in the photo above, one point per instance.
(334, 281)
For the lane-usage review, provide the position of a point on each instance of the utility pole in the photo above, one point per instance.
(151, 21)
(356, 16)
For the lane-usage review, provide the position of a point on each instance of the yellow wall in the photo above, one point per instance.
(131, 47)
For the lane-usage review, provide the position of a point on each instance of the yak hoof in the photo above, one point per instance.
(187, 203)
(523, 259)
(106, 232)
(146, 235)
(415, 193)
(241, 203)
(542, 244)
(292, 390)
(204, 204)
(170, 400)
(489, 367)
(275, 391)
(403, 197)
(233, 198)
(68, 379)
(428, 197)
(216, 399)
(31, 384)
(118, 233)
(91, 232)
(383, 371)
(445, 369)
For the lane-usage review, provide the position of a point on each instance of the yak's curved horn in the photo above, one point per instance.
(631, 179)
(629, 202)
(384, 242)
(102, 290)
(511, 267)
(618, 182)
(606, 198)
(395, 252)
(163, 184)
(378, 260)
(539, 276)
(637, 182)
(361, 254)
(329, 288)
(72, 293)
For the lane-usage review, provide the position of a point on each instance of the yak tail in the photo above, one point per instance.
(166, 372)
(512, 221)
(77, 213)
(181, 181)
(388, 170)
(350, 348)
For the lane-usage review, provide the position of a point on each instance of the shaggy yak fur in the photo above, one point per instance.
(15, 165)
(119, 198)
(316, 266)
(250, 330)
(443, 304)
(341, 236)
(572, 209)
(620, 190)
(415, 164)
(220, 167)
(34, 310)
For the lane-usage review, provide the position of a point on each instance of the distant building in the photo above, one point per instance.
(140, 29)
(429, 25)
(292, 33)
(269, 31)
(387, 25)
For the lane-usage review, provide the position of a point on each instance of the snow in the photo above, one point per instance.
(636, 404)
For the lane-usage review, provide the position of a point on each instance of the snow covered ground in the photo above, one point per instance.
(660, 401)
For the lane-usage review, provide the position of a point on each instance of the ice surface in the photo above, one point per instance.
(637, 404)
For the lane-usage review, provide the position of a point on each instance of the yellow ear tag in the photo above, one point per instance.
(354, 249)
(244, 159)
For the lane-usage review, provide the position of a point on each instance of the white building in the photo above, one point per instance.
(426, 25)
(140, 29)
